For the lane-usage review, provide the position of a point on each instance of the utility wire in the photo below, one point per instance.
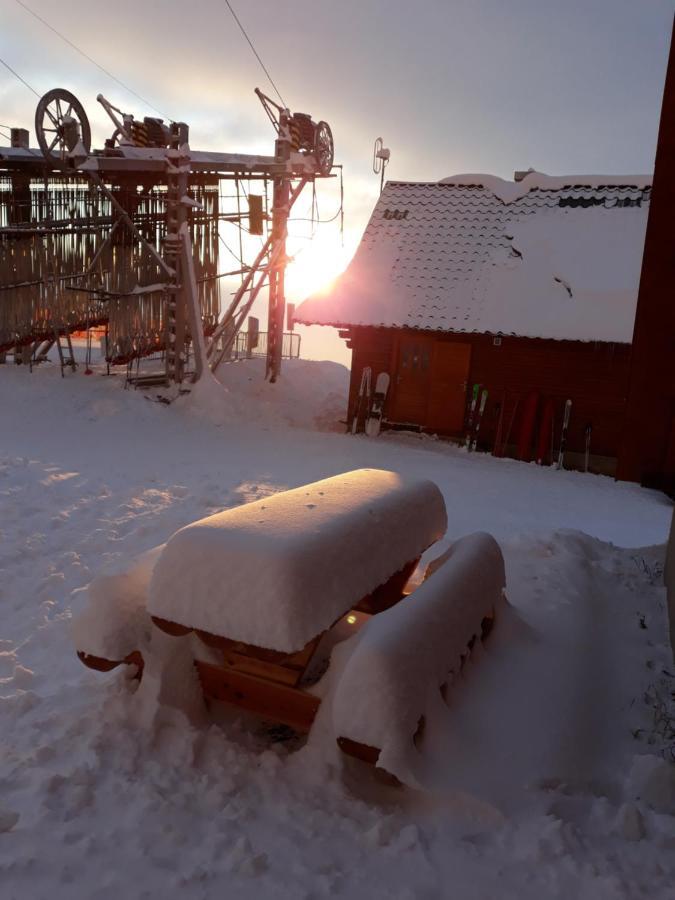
(15, 73)
(87, 57)
(250, 43)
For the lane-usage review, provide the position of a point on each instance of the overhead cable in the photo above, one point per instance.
(89, 58)
(257, 55)
(22, 80)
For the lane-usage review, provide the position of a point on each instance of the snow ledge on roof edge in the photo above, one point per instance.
(510, 191)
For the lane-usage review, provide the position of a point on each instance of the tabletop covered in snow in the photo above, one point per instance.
(278, 572)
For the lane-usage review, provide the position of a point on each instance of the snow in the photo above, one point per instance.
(298, 399)
(403, 656)
(510, 191)
(583, 268)
(477, 254)
(114, 621)
(536, 773)
(278, 572)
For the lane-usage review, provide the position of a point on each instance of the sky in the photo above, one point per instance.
(452, 86)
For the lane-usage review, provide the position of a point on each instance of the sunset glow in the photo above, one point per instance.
(315, 266)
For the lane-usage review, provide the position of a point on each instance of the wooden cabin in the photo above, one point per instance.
(522, 287)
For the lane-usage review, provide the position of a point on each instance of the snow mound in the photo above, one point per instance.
(404, 655)
(278, 572)
(114, 621)
(308, 394)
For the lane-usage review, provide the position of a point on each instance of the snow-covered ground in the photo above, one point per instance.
(543, 774)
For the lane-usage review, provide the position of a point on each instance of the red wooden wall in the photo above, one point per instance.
(593, 375)
(648, 450)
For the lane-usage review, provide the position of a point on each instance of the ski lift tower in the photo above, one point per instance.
(151, 153)
(297, 136)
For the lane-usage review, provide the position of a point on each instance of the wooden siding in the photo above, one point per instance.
(648, 450)
(593, 375)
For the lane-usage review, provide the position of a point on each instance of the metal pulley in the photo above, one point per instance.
(306, 136)
(60, 125)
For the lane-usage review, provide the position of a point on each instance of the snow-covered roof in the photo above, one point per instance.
(549, 256)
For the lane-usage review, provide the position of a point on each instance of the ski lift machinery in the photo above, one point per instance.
(151, 148)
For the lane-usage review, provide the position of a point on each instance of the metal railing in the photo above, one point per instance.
(243, 349)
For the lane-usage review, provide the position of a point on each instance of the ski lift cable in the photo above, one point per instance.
(257, 55)
(87, 57)
(16, 74)
(229, 249)
(317, 221)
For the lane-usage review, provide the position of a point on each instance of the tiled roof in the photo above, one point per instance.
(546, 257)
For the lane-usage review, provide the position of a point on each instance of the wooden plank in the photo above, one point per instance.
(412, 378)
(286, 668)
(363, 752)
(172, 628)
(267, 699)
(388, 594)
(100, 664)
(450, 364)
(269, 671)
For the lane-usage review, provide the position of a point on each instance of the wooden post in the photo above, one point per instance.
(280, 208)
(20, 200)
(176, 215)
(647, 452)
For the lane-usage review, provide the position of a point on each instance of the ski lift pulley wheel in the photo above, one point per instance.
(60, 122)
(323, 148)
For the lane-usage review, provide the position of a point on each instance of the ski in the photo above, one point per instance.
(587, 454)
(563, 435)
(472, 411)
(481, 410)
(374, 420)
(364, 394)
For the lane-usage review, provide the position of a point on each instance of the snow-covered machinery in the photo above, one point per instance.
(262, 594)
(128, 236)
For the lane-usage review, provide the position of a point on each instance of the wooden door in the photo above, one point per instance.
(411, 381)
(450, 363)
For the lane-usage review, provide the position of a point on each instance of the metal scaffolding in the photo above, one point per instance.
(129, 236)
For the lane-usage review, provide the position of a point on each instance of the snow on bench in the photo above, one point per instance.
(114, 624)
(278, 572)
(403, 657)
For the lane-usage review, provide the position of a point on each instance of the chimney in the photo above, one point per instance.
(19, 137)
(519, 174)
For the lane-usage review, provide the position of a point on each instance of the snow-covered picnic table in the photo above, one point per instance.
(266, 590)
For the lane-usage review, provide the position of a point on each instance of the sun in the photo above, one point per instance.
(315, 266)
